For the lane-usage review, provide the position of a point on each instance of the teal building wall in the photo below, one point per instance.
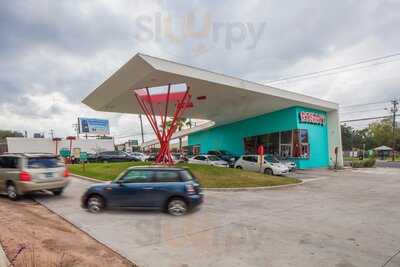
(230, 136)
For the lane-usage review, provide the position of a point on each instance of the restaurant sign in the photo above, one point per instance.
(312, 118)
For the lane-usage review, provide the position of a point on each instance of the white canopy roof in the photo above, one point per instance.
(228, 99)
(383, 148)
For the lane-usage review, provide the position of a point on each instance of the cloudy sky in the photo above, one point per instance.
(54, 53)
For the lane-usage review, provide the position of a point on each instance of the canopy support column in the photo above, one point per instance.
(163, 131)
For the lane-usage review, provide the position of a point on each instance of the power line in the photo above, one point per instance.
(337, 68)
(370, 118)
(337, 72)
(366, 104)
(361, 111)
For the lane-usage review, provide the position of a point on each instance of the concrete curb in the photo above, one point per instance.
(235, 189)
(4, 262)
(260, 188)
(87, 178)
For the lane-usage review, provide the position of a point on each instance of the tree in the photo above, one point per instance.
(182, 122)
(353, 138)
(347, 137)
(382, 133)
(376, 134)
(7, 133)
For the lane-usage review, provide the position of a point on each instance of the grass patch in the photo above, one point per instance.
(209, 176)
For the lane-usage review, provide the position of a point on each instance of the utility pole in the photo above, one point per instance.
(51, 133)
(394, 110)
(352, 143)
(141, 127)
(76, 129)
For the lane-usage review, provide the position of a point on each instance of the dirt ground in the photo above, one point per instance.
(41, 238)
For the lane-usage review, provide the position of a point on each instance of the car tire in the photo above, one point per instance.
(95, 204)
(12, 192)
(239, 167)
(57, 192)
(268, 171)
(177, 207)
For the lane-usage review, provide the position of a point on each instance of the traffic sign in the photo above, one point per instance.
(83, 156)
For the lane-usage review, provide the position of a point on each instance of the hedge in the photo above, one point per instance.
(366, 163)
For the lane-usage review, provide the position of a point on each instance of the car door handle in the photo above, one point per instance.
(147, 188)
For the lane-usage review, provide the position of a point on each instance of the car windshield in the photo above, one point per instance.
(271, 159)
(213, 158)
(43, 162)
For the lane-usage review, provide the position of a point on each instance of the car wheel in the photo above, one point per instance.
(239, 167)
(12, 192)
(268, 171)
(57, 192)
(95, 204)
(177, 207)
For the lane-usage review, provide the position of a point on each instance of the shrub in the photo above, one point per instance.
(366, 163)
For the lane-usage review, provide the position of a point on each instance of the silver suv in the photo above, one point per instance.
(25, 173)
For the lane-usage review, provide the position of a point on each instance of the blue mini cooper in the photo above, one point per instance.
(175, 190)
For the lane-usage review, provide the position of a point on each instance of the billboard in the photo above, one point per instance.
(93, 126)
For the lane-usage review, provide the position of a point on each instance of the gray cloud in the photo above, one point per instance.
(72, 46)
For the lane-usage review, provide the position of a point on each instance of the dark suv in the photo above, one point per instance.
(174, 190)
(115, 156)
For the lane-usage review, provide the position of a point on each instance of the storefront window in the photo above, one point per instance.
(193, 150)
(301, 147)
(286, 137)
(250, 145)
(296, 144)
(286, 151)
(293, 143)
(270, 143)
(303, 136)
(286, 144)
(305, 151)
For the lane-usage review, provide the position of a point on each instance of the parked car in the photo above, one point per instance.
(139, 155)
(25, 173)
(270, 167)
(224, 155)
(208, 160)
(151, 157)
(179, 157)
(91, 157)
(288, 163)
(174, 190)
(115, 156)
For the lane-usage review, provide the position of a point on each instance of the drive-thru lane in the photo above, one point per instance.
(350, 219)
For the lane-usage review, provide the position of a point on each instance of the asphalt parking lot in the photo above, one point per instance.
(351, 218)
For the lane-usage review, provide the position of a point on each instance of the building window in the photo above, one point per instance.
(286, 144)
(194, 150)
(303, 136)
(250, 145)
(301, 147)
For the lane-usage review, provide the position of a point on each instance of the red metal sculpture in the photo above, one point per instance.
(157, 105)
